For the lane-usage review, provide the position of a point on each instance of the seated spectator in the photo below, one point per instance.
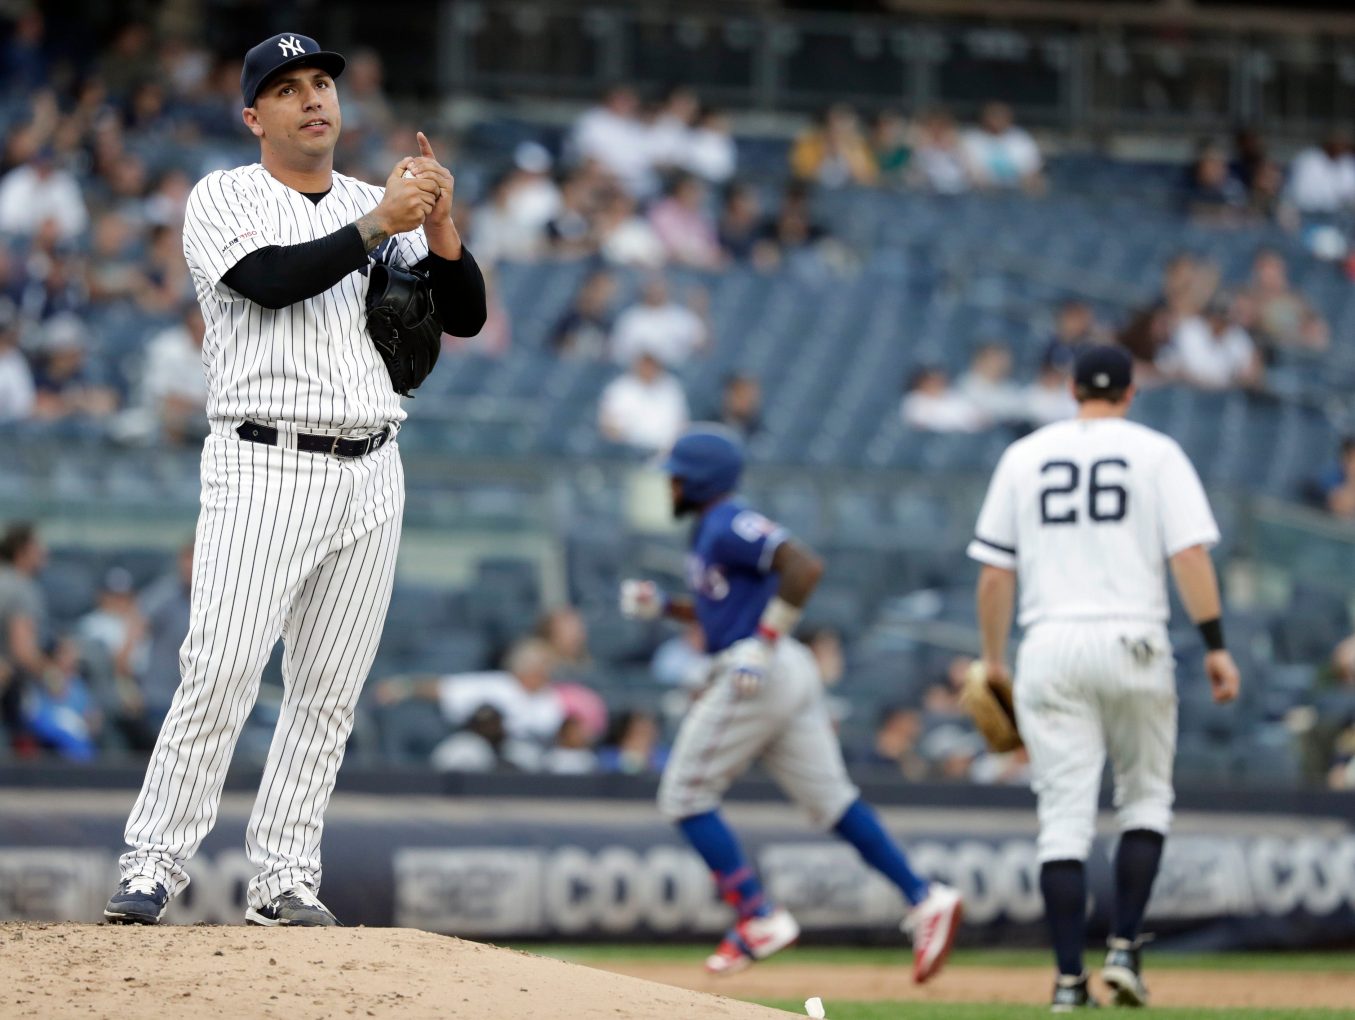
(62, 381)
(116, 625)
(33, 193)
(59, 712)
(834, 152)
(645, 408)
(681, 661)
(951, 750)
(522, 693)
(613, 136)
(938, 163)
(566, 635)
(1212, 194)
(931, 404)
(1283, 317)
(670, 131)
(164, 285)
(711, 154)
(624, 237)
(499, 233)
(741, 230)
(115, 269)
(367, 113)
(1249, 156)
(1267, 200)
(1322, 177)
(889, 140)
(988, 384)
(481, 745)
(1211, 351)
(998, 154)
(535, 199)
(794, 228)
(896, 738)
(572, 753)
(165, 606)
(1049, 397)
(740, 405)
(1188, 283)
(585, 330)
(1336, 486)
(1074, 328)
(17, 395)
(685, 227)
(569, 232)
(172, 403)
(632, 745)
(661, 327)
(23, 616)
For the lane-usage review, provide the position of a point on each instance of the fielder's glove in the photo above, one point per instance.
(748, 662)
(988, 700)
(403, 324)
(642, 600)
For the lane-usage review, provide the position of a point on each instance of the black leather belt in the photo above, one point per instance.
(253, 432)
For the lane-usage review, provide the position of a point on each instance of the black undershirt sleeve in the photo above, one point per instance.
(458, 293)
(280, 275)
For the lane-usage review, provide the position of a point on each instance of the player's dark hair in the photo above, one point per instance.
(16, 537)
(1085, 393)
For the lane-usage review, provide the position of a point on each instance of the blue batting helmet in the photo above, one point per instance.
(709, 460)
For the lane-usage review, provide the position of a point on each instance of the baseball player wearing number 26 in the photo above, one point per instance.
(302, 487)
(1087, 513)
(749, 580)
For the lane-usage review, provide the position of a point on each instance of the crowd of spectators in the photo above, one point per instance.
(101, 681)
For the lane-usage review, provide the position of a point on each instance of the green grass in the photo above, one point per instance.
(951, 1011)
(886, 956)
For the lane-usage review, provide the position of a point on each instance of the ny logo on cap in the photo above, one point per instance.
(1100, 380)
(292, 46)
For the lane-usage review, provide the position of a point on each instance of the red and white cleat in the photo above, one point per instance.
(932, 924)
(752, 939)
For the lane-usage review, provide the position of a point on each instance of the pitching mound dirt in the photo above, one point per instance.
(1169, 987)
(87, 971)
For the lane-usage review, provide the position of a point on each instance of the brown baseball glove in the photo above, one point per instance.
(989, 703)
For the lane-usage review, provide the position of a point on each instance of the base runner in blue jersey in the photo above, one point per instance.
(749, 581)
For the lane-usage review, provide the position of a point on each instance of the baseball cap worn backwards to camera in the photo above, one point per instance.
(279, 52)
(1103, 369)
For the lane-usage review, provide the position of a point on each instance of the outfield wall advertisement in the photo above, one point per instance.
(504, 875)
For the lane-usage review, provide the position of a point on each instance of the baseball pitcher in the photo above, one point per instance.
(765, 702)
(1087, 514)
(302, 487)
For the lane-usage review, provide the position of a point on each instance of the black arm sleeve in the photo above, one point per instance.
(458, 293)
(282, 275)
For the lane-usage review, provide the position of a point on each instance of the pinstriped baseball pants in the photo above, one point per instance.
(1088, 690)
(290, 544)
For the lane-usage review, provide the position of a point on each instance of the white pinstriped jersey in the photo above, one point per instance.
(1087, 512)
(310, 363)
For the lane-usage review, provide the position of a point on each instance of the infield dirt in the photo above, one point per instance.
(96, 971)
(1230, 989)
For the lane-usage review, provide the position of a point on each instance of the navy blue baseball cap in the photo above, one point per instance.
(1103, 369)
(286, 49)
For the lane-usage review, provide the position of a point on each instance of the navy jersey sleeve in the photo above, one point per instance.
(750, 541)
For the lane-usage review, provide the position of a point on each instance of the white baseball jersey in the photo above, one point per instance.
(1087, 512)
(310, 363)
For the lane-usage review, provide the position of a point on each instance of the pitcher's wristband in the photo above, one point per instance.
(1212, 632)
